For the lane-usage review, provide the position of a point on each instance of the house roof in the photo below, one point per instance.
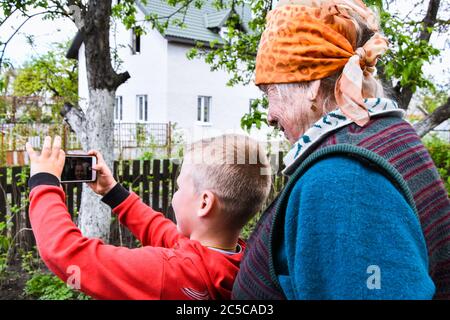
(201, 25)
(216, 19)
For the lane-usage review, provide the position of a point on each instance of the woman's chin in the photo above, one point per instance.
(289, 138)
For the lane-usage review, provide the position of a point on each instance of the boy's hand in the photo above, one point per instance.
(105, 180)
(51, 160)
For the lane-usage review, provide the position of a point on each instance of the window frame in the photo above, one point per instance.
(142, 115)
(204, 109)
(118, 116)
(136, 44)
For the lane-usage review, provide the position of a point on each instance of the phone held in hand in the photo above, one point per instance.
(78, 168)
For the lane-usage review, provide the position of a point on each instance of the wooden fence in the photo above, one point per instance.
(152, 180)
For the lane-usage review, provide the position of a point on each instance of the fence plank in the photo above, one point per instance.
(156, 178)
(165, 186)
(3, 194)
(115, 171)
(146, 182)
(136, 177)
(174, 174)
(126, 174)
(124, 236)
(29, 234)
(69, 196)
(16, 202)
(79, 186)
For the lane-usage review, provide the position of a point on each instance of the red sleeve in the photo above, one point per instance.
(105, 271)
(149, 226)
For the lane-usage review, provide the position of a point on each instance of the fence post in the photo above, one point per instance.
(3, 193)
(64, 138)
(2, 148)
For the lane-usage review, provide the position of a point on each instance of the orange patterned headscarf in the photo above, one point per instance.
(307, 40)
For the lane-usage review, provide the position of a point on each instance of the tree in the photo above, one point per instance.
(401, 69)
(236, 55)
(94, 127)
(52, 76)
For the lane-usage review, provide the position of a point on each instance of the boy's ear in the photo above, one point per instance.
(207, 202)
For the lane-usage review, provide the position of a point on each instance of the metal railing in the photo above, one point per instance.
(13, 137)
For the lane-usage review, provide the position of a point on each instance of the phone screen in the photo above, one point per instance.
(77, 168)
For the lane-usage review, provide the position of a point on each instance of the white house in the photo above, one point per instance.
(165, 86)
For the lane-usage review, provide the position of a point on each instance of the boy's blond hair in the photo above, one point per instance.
(236, 169)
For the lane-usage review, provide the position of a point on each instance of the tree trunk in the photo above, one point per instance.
(95, 216)
(433, 120)
(95, 129)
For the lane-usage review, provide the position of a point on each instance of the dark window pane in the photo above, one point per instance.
(138, 43)
(206, 113)
(121, 108)
(207, 108)
(146, 109)
(140, 107)
(199, 109)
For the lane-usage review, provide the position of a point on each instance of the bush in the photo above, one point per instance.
(5, 242)
(250, 226)
(440, 153)
(42, 285)
(45, 286)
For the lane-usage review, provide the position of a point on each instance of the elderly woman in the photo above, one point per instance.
(365, 214)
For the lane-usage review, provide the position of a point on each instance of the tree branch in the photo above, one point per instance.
(9, 16)
(430, 20)
(76, 119)
(404, 94)
(5, 44)
(122, 77)
(440, 115)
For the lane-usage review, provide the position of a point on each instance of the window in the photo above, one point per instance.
(203, 108)
(118, 109)
(142, 108)
(136, 40)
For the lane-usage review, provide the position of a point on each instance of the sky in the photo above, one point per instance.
(44, 32)
(47, 32)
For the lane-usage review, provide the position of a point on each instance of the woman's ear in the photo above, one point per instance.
(313, 90)
(207, 203)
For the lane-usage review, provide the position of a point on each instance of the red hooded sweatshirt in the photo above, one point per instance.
(167, 266)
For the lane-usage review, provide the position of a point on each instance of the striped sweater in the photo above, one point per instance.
(396, 141)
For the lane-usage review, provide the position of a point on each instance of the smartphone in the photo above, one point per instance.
(78, 168)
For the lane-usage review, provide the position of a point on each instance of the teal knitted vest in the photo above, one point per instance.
(391, 145)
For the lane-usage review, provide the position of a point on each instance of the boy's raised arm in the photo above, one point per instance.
(148, 225)
(102, 271)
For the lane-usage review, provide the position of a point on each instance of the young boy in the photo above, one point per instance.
(223, 182)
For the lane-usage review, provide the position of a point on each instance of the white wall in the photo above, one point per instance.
(189, 79)
(173, 83)
(148, 71)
